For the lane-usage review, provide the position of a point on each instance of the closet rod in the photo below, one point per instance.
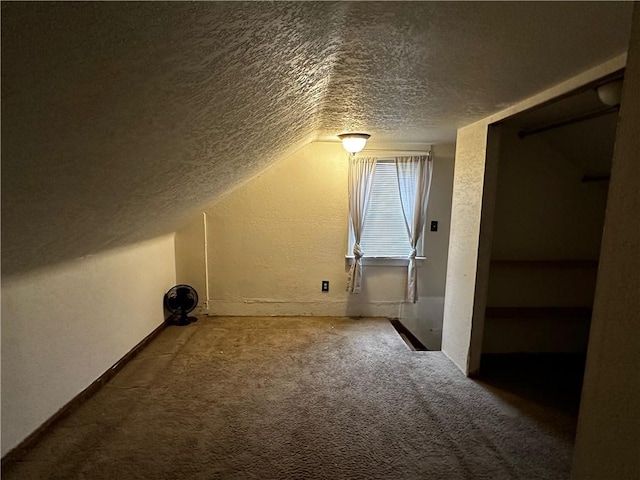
(569, 121)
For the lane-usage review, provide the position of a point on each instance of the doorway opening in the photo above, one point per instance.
(552, 185)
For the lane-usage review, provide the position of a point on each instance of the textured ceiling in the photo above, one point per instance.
(122, 120)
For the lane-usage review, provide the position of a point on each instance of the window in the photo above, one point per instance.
(384, 234)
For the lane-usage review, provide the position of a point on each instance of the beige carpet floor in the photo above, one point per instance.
(300, 398)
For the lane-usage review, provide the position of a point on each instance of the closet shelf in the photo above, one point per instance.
(537, 312)
(580, 263)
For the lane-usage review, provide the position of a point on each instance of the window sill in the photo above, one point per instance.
(385, 261)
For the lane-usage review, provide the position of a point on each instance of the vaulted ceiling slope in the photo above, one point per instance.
(121, 120)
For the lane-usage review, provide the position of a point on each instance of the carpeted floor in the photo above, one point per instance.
(300, 398)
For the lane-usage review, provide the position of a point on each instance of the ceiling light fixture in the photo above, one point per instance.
(354, 142)
(610, 93)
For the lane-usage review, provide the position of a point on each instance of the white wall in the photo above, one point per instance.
(272, 241)
(191, 259)
(63, 326)
(608, 435)
(463, 321)
(466, 213)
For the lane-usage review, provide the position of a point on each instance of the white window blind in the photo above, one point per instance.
(385, 233)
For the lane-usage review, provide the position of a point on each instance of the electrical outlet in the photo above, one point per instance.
(434, 225)
(325, 285)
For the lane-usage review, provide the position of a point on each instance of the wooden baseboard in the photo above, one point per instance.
(23, 447)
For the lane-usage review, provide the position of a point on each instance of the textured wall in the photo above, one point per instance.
(121, 120)
(62, 327)
(272, 242)
(191, 263)
(608, 436)
(466, 209)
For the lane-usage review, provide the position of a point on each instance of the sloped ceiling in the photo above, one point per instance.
(122, 120)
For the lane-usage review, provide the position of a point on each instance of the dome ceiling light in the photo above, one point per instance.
(354, 142)
(610, 93)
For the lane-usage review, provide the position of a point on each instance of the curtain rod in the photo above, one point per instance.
(397, 151)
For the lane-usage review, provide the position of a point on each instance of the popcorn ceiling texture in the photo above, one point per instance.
(121, 121)
(416, 72)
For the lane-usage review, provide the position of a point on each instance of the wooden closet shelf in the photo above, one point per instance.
(538, 312)
(546, 263)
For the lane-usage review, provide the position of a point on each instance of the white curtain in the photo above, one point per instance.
(360, 179)
(414, 183)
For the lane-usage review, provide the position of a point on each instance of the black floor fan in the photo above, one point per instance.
(180, 301)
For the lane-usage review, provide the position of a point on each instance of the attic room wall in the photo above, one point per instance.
(191, 259)
(608, 435)
(466, 209)
(65, 325)
(545, 246)
(272, 242)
